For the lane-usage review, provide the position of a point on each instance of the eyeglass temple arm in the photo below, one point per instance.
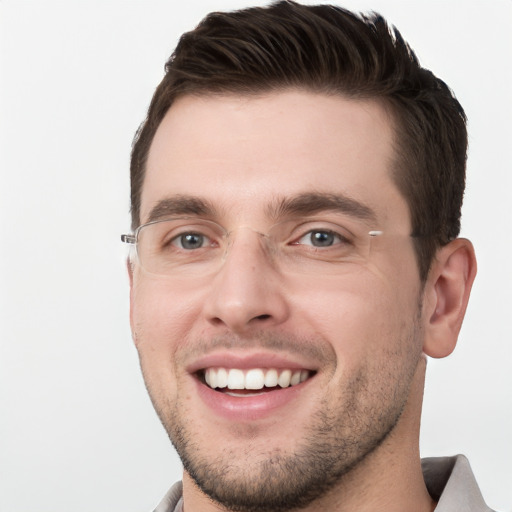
(128, 239)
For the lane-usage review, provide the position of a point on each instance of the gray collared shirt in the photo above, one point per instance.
(449, 481)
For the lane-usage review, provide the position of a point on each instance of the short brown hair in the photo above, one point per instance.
(327, 49)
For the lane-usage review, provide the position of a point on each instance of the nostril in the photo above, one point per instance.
(262, 317)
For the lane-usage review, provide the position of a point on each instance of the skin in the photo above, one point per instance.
(370, 327)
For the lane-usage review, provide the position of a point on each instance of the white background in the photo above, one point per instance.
(77, 431)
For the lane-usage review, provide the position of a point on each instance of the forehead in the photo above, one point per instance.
(243, 152)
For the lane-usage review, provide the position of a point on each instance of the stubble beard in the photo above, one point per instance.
(341, 435)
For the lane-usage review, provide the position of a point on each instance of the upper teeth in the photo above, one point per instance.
(255, 378)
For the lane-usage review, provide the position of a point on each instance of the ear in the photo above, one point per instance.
(446, 296)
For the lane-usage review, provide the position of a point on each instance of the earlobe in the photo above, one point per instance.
(129, 268)
(446, 296)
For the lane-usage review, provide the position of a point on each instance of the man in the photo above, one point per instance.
(296, 195)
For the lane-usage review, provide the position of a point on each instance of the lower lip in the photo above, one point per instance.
(248, 408)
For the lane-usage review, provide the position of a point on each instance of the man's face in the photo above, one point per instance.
(352, 330)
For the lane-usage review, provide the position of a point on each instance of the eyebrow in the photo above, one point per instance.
(181, 205)
(316, 202)
(300, 205)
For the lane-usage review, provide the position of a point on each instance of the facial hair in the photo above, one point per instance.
(344, 430)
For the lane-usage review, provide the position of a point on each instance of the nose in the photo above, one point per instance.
(248, 292)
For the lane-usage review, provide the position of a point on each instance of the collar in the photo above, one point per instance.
(451, 483)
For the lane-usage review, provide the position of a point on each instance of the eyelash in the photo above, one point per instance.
(185, 234)
(329, 232)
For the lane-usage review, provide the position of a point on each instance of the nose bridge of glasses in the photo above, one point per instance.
(244, 227)
(245, 236)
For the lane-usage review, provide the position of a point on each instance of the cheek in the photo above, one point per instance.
(161, 323)
(162, 317)
(360, 315)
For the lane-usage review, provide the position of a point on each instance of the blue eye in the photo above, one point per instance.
(320, 238)
(191, 241)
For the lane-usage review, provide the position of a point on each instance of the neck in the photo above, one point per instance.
(388, 480)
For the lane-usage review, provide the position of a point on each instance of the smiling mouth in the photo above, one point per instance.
(237, 382)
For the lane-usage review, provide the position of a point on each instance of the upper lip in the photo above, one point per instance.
(244, 361)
